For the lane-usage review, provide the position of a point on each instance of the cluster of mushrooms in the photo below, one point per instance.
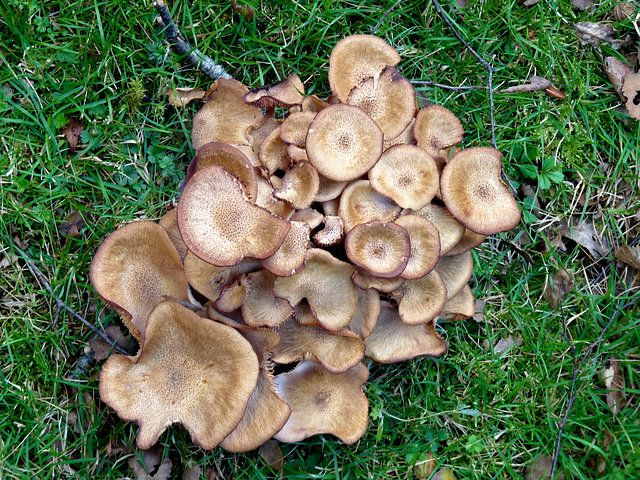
(299, 246)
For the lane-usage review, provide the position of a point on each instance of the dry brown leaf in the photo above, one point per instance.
(152, 469)
(504, 344)
(179, 97)
(558, 285)
(8, 260)
(245, 10)
(479, 315)
(597, 33)
(193, 471)
(425, 467)
(271, 453)
(616, 70)
(535, 83)
(540, 469)
(462, 4)
(531, 3)
(72, 225)
(444, 474)
(582, 4)
(115, 448)
(614, 383)
(101, 349)
(624, 11)
(584, 234)
(629, 255)
(72, 131)
(631, 91)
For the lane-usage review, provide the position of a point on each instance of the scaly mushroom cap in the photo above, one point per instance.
(425, 245)
(324, 402)
(455, 271)
(221, 226)
(450, 229)
(273, 153)
(191, 370)
(310, 216)
(405, 138)
(392, 340)
(291, 257)
(286, 93)
(389, 99)
(474, 193)
(169, 222)
(383, 249)
(262, 308)
(343, 142)
(231, 159)
(313, 104)
(360, 203)
(421, 300)
(326, 284)
(294, 128)
(460, 307)
(267, 201)
(299, 185)
(363, 279)
(134, 269)
(407, 174)
(436, 129)
(225, 117)
(329, 190)
(332, 234)
(356, 58)
(468, 241)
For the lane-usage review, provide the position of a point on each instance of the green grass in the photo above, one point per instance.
(483, 415)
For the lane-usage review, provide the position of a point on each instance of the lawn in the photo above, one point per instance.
(483, 412)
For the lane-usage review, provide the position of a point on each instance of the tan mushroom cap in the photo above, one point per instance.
(297, 154)
(422, 299)
(169, 221)
(343, 142)
(406, 137)
(232, 296)
(332, 234)
(273, 153)
(367, 315)
(360, 203)
(455, 271)
(475, 194)
(392, 340)
(356, 58)
(324, 402)
(382, 249)
(460, 307)
(225, 117)
(437, 129)
(407, 174)
(267, 201)
(291, 256)
(469, 240)
(221, 226)
(312, 103)
(329, 190)
(363, 279)
(425, 245)
(389, 99)
(451, 231)
(299, 185)
(191, 371)
(257, 135)
(285, 93)
(262, 308)
(337, 351)
(294, 128)
(326, 284)
(134, 269)
(231, 159)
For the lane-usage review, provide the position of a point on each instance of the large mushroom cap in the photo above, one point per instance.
(343, 142)
(436, 129)
(191, 370)
(221, 226)
(383, 249)
(474, 193)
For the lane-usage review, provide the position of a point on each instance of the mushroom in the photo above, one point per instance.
(382, 249)
(437, 129)
(360, 203)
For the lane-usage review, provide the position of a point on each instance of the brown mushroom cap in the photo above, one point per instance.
(360, 203)
(324, 402)
(468, 241)
(294, 128)
(273, 153)
(389, 99)
(383, 249)
(329, 190)
(356, 58)
(343, 142)
(367, 314)
(225, 117)
(455, 271)
(310, 216)
(191, 370)
(332, 234)
(313, 104)
(286, 93)
(425, 245)
(392, 340)
(169, 221)
(221, 226)
(450, 229)
(406, 137)
(299, 185)
(326, 284)
(407, 174)
(134, 269)
(363, 279)
(422, 299)
(436, 129)
(291, 256)
(475, 194)
(262, 307)
(460, 307)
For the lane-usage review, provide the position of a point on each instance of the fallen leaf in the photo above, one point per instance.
(72, 131)
(479, 315)
(531, 3)
(245, 10)
(462, 4)
(444, 474)
(540, 469)
(535, 83)
(8, 260)
(152, 468)
(558, 285)
(424, 468)
(616, 70)
(192, 472)
(631, 91)
(585, 235)
(179, 97)
(629, 255)
(614, 383)
(271, 453)
(101, 349)
(624, 11)
(597, 33)
(582, 4)
(504, 344)
(72, 225)
(115, 449)
(555, 93)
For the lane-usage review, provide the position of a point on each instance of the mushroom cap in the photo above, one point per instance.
(169, 221)
(299, 185)
(367, 314)
(286, 93)
(363, 279)
(225, 117)
(262, 308)
(326, 284)
(468, 241)
(291, 256)
(436, 129)
(425, 245)
(389, 99)
(273, 153)
(460, 307)
(191, 370)
(294, 128)
(312, 103)
(324, 402)
(329, 190)
(407, 174)
(310, 216)
(221, 226)
(332, 234)
(134, 269)
(422, 299)
(356, 58)
(474, 193)
(343, 142)
(360, 203)
(455, 271)
(382, 249)
(449, 228)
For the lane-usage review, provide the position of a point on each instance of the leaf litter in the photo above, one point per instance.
(613, 381)
(558, 285)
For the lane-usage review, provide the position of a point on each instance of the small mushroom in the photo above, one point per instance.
(437, 129)
(382, 249)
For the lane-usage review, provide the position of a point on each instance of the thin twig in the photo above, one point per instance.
(63, 306)
(386, 14)
(194, 56)
(576, 372)
(446, 87)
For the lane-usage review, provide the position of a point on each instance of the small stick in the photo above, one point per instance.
(386, 14)
(194, 56)
(447, 87)
(61, 305)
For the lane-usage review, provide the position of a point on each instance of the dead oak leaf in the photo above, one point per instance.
(614, 383)
(597, 33)
(72, 225)
(631, 91)
(617, 70)
(151, 467)
(179, 97)
(584, 234)
(558, 285)
(629, 255)
(72, 131)
(535, 83)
